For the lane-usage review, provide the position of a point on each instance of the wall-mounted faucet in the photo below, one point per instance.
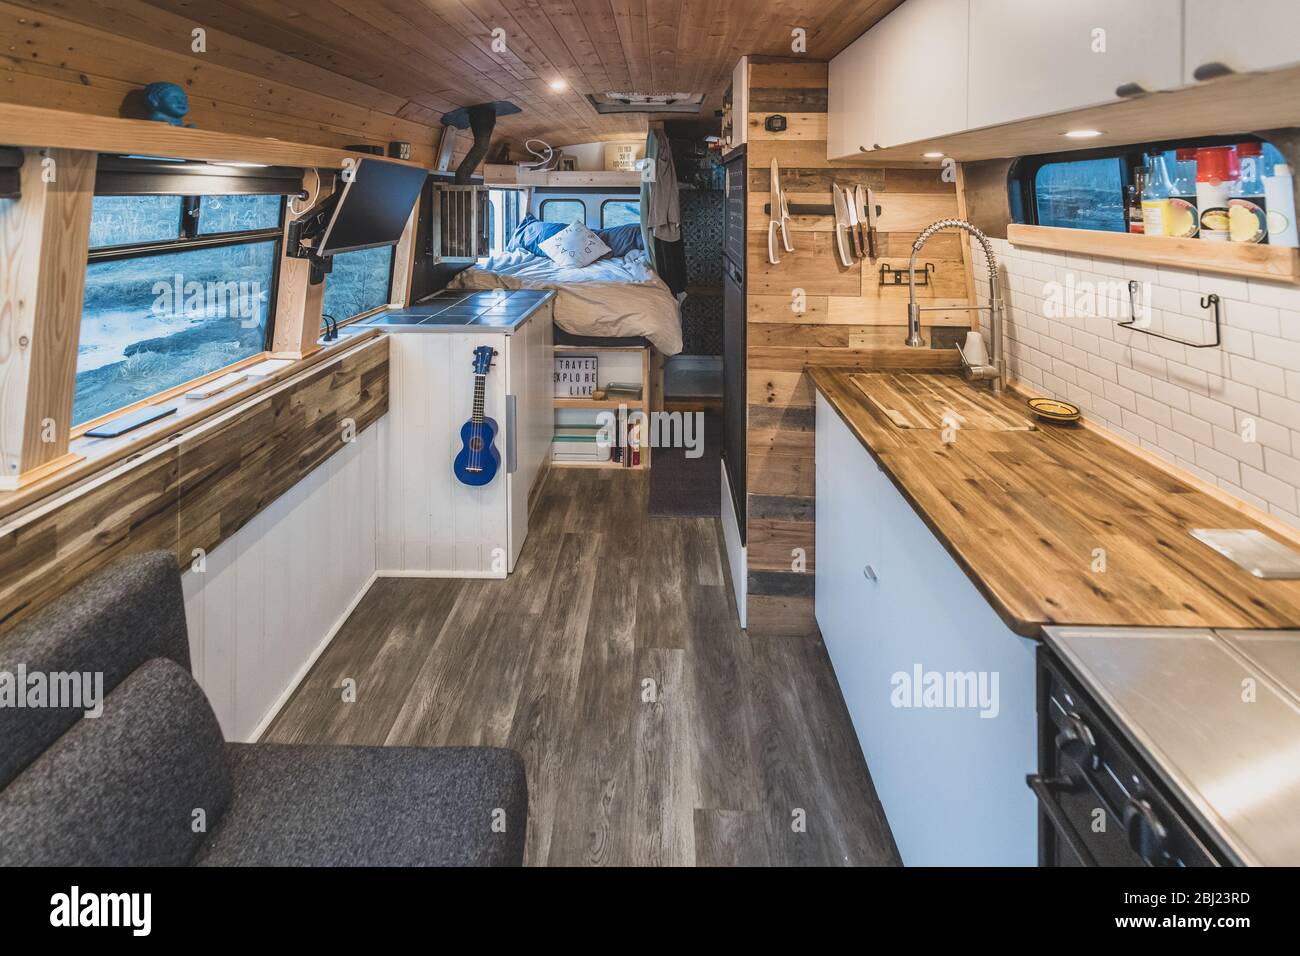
(995, 371)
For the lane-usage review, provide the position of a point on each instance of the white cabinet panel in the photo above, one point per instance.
(851, 99)
(951, 781)
(903, 80)
(846, 542)
(1036, 57)
(1244, 35)
(258, 613)
(430, 523)
(920, 71)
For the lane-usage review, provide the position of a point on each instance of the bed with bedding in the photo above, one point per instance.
(616, 296)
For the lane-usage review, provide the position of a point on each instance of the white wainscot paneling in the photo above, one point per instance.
(271, 597)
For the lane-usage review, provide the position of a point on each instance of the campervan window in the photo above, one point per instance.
(563, 210)
(359, 282)
(1087, 189)
(177, 286)
(619, 212)
(505, 210)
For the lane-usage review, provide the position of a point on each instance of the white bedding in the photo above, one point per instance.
(611, 297)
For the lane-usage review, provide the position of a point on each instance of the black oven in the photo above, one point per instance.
(1099, 802)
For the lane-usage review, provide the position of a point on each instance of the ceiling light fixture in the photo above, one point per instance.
(933, 155)
(559, 85)
(1083, 133)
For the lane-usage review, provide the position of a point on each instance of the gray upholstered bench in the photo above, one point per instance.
(152, 782)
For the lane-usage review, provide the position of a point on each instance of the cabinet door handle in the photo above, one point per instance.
(1211, 71)
(869, 573)
(512, 434)
(1126, 90)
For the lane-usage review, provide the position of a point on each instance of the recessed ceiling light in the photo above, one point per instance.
(933, 155)
(559, 85)
(1083, 133)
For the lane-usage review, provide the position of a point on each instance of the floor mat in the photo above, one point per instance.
(688, 487)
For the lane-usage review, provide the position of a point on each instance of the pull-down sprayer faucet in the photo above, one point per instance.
(995, 371)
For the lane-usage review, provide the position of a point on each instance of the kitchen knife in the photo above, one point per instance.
(785, 222)
(778, 217)
(869, 213)
(855, 227)
(854, 196)
(841, 225)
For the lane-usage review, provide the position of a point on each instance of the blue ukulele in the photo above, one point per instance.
(478, 460)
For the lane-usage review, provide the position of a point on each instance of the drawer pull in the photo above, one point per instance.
(869, 573)
(1126, 90)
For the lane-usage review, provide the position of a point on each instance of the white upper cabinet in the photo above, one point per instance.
(920, 74)
(1243, 35)
(903, 80)
(850, 109)
(1036, 57)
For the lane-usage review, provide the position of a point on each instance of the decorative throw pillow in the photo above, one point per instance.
(530, 233)
(574, 247)
(621, 239)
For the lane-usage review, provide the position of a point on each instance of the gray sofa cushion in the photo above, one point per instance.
(370, 806)
(110, 624)
(121, 789)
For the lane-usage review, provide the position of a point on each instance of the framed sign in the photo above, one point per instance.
(575, 375)
(623, 156)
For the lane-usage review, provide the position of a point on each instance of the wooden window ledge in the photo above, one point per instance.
(1274, 263)
(90, 456)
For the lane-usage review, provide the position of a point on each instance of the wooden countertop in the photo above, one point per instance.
(1022, 512)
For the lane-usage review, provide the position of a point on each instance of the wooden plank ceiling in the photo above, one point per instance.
(416, 59)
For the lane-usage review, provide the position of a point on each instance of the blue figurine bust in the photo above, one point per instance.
(167, 103)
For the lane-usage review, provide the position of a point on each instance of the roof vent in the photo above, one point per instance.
(646, 102)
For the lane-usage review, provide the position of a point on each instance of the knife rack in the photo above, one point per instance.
(890, 276)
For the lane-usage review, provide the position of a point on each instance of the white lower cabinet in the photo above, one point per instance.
(948, 753)
(430, 524)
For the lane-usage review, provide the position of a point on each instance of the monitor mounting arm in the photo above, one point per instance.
(304, 235)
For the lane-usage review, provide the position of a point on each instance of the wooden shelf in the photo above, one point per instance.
(634, 403)
(496, 174)
(641, 405)
(38, 127)
(1276, 263)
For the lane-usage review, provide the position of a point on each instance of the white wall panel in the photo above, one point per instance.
(272, 595)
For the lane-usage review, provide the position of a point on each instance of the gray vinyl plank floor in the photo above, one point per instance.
(654, 730)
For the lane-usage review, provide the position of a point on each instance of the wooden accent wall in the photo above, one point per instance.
(199, 490)
(93, 57)
(848, 319)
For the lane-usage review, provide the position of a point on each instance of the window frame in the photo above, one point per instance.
(1023, 172)
(606, 202)
(541, 207)
(392, 271)
(188, 241)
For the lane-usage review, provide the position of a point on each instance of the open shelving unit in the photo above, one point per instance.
(615, 364)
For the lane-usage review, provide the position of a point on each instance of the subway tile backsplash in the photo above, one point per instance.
(1230, 415)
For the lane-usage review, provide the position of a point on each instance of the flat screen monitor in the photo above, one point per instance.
(373, 207)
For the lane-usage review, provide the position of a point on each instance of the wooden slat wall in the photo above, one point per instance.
(199, 491)
(848, 319)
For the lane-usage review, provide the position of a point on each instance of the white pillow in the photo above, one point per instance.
(574, 247)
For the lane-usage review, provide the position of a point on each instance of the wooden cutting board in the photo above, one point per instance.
(930, 401)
